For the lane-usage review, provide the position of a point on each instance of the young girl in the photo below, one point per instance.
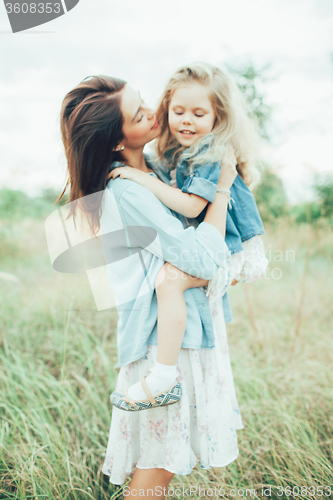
(203, 120)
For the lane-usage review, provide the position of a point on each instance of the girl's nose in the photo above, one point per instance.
(187, 118)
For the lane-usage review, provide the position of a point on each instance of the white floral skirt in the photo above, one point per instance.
(200, 427)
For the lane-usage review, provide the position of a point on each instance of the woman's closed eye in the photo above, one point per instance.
(144, 106)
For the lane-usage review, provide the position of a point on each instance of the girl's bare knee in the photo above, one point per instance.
(166, 475)
(155, 476)
(168, 278)
(170, 475)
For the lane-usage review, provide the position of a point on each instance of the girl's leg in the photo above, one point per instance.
(153, 483)
(172, 315)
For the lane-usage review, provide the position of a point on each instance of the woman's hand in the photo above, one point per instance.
(217, 211)
(130, 173)
(228, 170)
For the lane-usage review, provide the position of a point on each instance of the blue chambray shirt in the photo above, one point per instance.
(198, 252)
(243, 219)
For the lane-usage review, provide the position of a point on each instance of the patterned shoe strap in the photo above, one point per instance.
(145, 388)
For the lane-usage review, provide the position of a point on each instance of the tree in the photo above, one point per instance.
(323, 186)
(270, 196)
(251, 82)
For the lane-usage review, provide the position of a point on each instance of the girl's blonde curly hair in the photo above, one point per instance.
(233, 126)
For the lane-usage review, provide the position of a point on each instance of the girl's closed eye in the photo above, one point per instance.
(179, 113)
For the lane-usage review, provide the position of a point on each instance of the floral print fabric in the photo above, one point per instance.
(246, 266)
(201, 427)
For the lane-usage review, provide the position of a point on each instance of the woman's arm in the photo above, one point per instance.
(189, 205)
(220, 203)
(198, 252)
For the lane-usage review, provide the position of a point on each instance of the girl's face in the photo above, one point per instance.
(191, 114)
(140, 124)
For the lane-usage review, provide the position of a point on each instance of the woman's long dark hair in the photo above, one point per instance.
(91, 125)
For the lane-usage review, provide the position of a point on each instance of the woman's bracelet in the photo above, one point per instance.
(227, 192)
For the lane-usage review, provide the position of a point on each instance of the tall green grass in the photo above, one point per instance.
(57, 357)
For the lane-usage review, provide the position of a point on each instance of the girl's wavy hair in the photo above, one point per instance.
(91, 125)
(233, 126)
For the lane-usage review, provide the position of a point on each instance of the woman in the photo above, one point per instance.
(104, 122)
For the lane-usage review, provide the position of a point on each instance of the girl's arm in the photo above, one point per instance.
(198, 252)
(189, 205)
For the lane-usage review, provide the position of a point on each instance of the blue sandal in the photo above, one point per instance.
(168, 397)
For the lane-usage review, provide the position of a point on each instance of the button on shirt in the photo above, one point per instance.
(199, 252)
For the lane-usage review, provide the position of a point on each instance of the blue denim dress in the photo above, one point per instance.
(243, 219)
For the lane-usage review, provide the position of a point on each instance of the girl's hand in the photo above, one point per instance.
(228, 170)
(130, 173)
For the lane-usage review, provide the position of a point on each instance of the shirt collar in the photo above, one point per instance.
(149, 164)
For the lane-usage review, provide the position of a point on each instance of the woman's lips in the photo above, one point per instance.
(155, 125)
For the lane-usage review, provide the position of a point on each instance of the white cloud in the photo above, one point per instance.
(143, 42)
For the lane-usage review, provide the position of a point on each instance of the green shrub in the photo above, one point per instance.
(270, 196)
(16, 205)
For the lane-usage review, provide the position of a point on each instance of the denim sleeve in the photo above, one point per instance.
(244, 213)
(198, 252)
(203, 181)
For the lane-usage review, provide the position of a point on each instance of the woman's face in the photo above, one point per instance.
(140, 124)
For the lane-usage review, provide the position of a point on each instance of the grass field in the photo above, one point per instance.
(57, 357)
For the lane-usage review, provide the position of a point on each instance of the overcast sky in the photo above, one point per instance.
(143, 42)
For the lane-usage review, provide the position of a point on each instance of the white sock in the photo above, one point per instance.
(160, 378)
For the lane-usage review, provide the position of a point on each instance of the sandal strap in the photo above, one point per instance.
(145, 388)
(128, 400)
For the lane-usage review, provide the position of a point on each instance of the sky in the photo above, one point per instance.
(143, 42)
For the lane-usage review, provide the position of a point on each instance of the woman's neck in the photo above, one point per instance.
(136, 159)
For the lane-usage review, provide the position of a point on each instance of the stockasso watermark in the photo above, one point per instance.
(275, 256)
(263, 492)
(272, 256)
(183, 492)
(24, 14)
(120, 251)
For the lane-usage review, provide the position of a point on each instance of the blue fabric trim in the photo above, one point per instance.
(201, 187)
